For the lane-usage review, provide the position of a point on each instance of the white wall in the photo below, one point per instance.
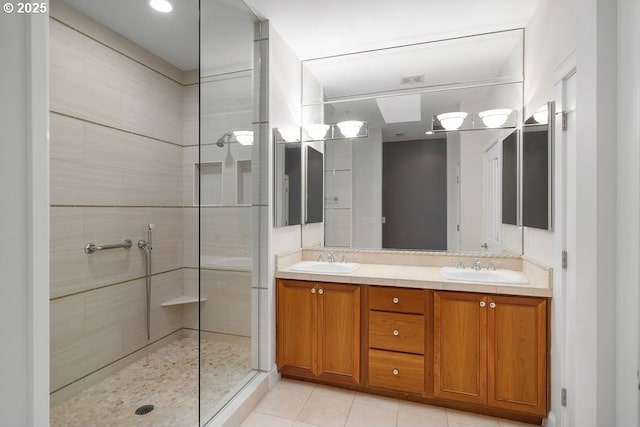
(24, 294)
(628, 215)
(596, 218)
(285, 81)
(550, 36)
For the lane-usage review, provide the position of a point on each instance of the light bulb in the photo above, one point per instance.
(244, 137)
(350, 128)
(161, 5)
(290, 134)
(453, 120)
(317, 132)
(495, 118)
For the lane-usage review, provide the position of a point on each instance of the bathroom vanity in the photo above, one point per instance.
(404, 331)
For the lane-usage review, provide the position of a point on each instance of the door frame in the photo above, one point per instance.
(563, 303)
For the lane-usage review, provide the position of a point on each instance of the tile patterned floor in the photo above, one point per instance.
(167, 379)
(299, 404)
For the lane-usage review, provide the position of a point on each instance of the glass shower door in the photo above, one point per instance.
(225, 169)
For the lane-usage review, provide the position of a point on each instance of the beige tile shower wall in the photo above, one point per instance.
(93, 329)
(116, 165)
(228, 306)
(74, 271)
(95, 165)
(225, 231)
(96, 83)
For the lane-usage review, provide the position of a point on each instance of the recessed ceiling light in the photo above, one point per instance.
(161, 5)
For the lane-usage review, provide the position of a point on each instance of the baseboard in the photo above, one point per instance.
(550, 421)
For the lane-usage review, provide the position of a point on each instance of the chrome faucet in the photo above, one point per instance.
(460, 265)
(491, 266)
(330, 257)
(344, 258)
(476, 265)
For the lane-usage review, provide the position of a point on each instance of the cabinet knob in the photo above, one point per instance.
(321, 291)
(492, 305)
(482, 303)
(396, 300)
(313, 290)
(396, 332)
(395, 372)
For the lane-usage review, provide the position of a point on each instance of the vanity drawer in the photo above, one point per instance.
(396, 371)
(396, 299)
(396, 331)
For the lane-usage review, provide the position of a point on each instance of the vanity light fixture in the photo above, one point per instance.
(317, 132)
(542, 115)
(289, 134)
(495, 118)
(350, 128)
(162, 6)
(244, 137)
(453, 120)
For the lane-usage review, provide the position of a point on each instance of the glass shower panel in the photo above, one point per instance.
(225, 167)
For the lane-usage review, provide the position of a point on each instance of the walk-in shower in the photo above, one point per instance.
(155, 321)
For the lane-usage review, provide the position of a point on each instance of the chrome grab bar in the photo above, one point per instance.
(92, 247)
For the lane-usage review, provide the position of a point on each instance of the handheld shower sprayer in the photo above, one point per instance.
(147, 245)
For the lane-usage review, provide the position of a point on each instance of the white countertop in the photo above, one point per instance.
(420, 277)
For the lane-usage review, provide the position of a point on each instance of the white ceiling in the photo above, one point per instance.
(312, 28)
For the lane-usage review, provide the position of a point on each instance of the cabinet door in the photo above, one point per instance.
(297, 327)
(339, 332)
(517, 354)
(460, 347)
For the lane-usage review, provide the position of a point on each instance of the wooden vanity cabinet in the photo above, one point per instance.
(491, 350)
(478, 352)
(318, 330)
(395, 349)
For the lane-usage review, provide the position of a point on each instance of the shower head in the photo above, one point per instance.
(225, 138)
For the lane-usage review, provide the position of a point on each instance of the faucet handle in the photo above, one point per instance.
(460, 265)
(320, 258)
(491, 267)
(344, 258)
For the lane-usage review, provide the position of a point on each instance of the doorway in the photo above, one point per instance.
(410, 168)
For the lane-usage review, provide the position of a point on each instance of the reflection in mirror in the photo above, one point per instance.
(315, 185)
(510, 204)
(288, 183)
(537, 167)
(408, 185)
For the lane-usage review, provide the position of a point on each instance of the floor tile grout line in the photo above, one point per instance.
(304, 404)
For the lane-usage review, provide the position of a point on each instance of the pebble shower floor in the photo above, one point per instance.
(167, 379)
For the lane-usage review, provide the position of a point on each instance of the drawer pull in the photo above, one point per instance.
(395, 372)
(492, 305)
(396, 300)
(320, 291)
(313, 290)
(482, 303)
(396, 332)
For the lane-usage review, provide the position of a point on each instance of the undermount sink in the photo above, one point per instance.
(325, 267)
(485, 276)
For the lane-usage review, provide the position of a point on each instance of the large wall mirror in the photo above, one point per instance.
(411, 183)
